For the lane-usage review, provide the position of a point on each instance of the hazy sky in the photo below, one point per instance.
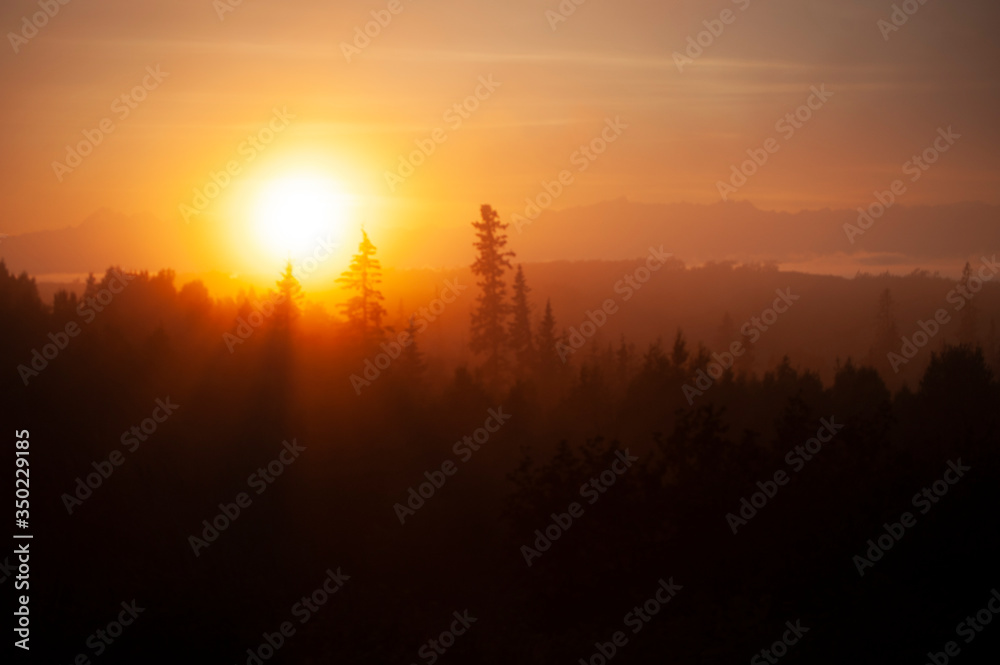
(558, 87)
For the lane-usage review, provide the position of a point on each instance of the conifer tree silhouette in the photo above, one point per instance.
(521, 342)
(489, 319)
(364, 311)
(290, 292)
(546, 340)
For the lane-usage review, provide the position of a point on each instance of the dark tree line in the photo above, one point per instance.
(663, 517)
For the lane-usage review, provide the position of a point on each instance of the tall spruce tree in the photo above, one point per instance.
(290, 291)
(521, 342)
(364, 311)
(489, 319)
(545, 342)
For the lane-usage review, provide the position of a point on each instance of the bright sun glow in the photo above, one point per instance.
(293, 213)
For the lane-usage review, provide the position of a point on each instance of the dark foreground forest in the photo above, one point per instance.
(203, 492)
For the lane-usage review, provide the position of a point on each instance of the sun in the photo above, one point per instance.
(294, 213)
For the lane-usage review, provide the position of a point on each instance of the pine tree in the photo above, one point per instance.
(545, 342)
(364, 311)
(520, 327)
(291, 296)
(489, 320)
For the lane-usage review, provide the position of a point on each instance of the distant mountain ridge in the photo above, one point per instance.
(136, 242)
(743, 232)
(926, 236)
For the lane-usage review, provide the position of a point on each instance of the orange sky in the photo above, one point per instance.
(557, 88)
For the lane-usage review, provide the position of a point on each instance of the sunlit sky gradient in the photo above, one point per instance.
(557, 88)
